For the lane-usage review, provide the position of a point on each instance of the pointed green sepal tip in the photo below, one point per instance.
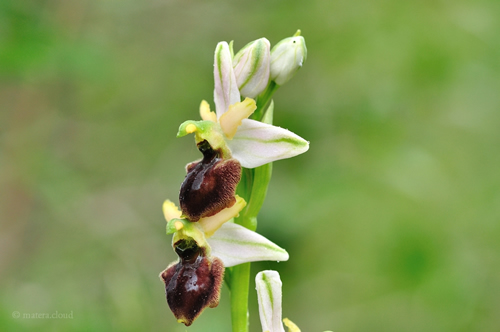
(231, 48)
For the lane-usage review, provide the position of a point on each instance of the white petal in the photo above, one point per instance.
(226, 90)
(235, 244)
(257, 143)
(269, 295)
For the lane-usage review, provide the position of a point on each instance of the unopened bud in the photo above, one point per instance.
(251, 67)
(287, 57)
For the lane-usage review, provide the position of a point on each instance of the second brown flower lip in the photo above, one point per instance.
(193, 283)
(209, 185)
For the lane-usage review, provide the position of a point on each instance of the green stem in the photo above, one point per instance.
(240, 274)
(240, 282)
(261, 178)
(253, 188)
(264, 100)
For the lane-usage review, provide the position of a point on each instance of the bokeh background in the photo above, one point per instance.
(391, 218)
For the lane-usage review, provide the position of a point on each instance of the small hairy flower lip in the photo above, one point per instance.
(191, 286)
(209, 185)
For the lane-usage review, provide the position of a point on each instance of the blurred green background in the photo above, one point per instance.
(391, 218)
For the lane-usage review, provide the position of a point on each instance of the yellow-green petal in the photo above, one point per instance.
(231, 120)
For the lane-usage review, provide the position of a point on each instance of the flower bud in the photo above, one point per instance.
(287, 57)
(251, 67)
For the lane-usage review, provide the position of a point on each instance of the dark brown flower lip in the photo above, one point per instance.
(209, 185)
(193, 283)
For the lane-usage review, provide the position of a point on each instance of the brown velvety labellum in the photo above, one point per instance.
(210, 184)
(193, 284)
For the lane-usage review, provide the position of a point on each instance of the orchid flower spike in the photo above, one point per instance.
(229, 132)
(193, 282)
